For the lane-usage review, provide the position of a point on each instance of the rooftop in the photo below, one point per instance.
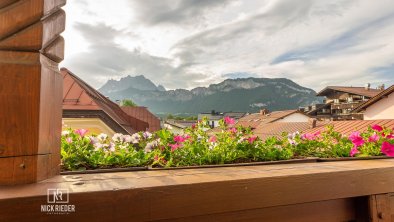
(347, 127)
(79, 96)
(255, 119)
(374, 99)
(349, 89)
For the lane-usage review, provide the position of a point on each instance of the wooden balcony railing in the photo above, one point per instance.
(326, 191)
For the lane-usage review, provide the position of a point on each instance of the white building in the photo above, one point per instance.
(380, 106)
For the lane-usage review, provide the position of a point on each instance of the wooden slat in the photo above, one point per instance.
(24, 169)
(380, 208)
(38, 35)
(55, 50)
(4, 3)
(19, 95)
(24, 13)
(323, 211)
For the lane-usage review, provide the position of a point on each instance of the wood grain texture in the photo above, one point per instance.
(55, 50)
(23, 13)
(380, 207)
(4, 3)
(38, 35)
(24, 169)
(31, 94)
(193, 193)
(323, 211)
(19, 94)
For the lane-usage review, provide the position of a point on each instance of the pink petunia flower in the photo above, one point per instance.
(373, 138)
(69, 140)
(356, 139)
(81, 132)
(252, 139)
(212, 139)
(388, 149)
(376, 127)
(390, 136)
(229, 121)
(354, 151)
(310, 136)
(179, 139)
(233, 130)
(174, 147)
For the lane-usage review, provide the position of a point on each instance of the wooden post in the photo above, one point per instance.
(381, 207)
(30, 89)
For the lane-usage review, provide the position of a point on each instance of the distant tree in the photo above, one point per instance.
(127, 102)
(170, 116)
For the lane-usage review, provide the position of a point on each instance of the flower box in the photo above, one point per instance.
(232, 146)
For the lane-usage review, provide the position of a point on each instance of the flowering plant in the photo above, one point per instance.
(200, 146)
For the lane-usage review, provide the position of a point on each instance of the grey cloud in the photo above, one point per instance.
(177, 12)
(280, 15)
(106, 59)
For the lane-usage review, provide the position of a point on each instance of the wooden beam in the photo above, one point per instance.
(220, 193)
(31, 89)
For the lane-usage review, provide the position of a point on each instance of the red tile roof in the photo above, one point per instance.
(79, 96)
(374, 99)
(347, 127)
(275, 129)
(142, 113)
(255, 119)
(353, 90)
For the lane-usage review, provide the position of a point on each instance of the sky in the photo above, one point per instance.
(191, 43)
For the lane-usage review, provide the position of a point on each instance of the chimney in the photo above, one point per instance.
(264, 112)
(381, 87)
(312, 123)
(367, 86)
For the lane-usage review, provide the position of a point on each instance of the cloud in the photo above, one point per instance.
(175, 12)
(106, 59)
(189, 43)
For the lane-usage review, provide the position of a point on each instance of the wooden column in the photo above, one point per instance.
(30, 89)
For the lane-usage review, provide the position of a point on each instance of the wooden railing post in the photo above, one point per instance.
(30, 89)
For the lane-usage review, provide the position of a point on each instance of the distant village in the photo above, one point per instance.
(346, 108)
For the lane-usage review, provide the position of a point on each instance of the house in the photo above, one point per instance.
(340, 101)
(264, 117)
(142, 113)
(380, 106)
(214, 117)
(178, 126)
(347, 127)
(265, 124)
(85, 107)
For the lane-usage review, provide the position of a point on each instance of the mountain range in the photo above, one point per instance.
(237, 95)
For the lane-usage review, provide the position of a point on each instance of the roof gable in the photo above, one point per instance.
(374, 99)
(352, 90)
(78, 95)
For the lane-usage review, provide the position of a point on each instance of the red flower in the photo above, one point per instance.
(373, 138)
(212, 139)
(390, 136)
(174, 147)
(376, 127)
(233, 130)
(252, 139)
(354, 151)
(356, 139)
(388, 149)
(81, 132)
(179, 139)
(229, 121)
